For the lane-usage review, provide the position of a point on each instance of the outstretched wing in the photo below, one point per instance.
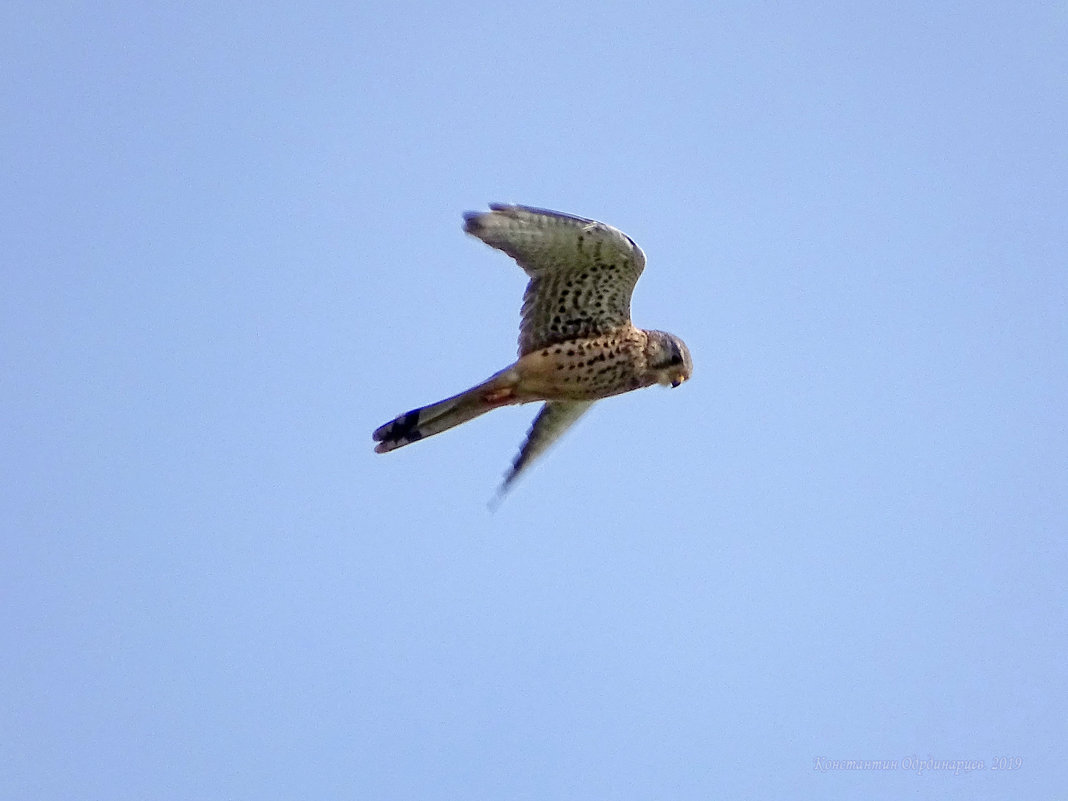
(553, 420)
(582, 272)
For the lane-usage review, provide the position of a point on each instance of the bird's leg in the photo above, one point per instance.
(499, 397)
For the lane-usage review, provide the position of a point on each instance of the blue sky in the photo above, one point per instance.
(232, 248)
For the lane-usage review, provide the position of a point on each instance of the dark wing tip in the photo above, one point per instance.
(514, 210)
(473, 221)
(505, 485)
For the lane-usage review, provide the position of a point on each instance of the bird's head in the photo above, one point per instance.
(668, 358)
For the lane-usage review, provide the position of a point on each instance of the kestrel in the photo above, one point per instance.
(577, 344)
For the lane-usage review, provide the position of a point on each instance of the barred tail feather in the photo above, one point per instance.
(441, 416)
(425, 422)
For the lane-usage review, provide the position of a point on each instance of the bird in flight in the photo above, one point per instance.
(577, 344)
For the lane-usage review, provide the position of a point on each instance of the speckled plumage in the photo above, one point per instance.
(577, 344)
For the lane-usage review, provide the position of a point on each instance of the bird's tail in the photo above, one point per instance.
(498, 390)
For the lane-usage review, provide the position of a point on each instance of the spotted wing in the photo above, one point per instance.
(582, 272)
(553, 420)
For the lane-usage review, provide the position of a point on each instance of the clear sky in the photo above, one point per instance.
(231, 248)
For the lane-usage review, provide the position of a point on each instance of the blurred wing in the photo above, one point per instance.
(553, 420)
(582, 272)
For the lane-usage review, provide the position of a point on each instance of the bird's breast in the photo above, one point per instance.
(583, 369)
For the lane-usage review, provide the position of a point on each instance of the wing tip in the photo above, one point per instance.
(517, 211)
(475, 221)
